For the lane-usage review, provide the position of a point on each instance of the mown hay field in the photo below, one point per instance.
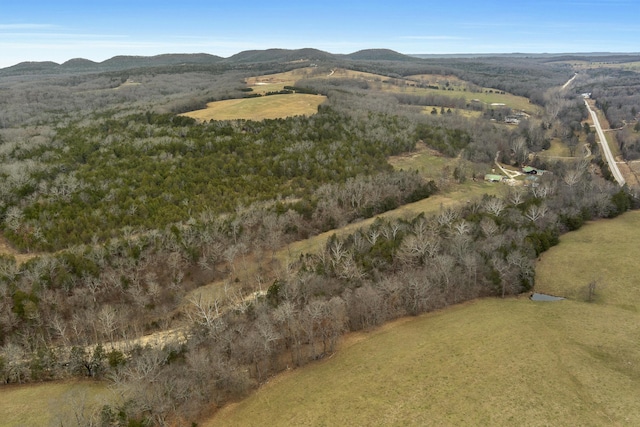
(56, 403)
(459, 111)
(377, 82)
(489, 361)
(264, 107)
(459, 89)
(275, 82)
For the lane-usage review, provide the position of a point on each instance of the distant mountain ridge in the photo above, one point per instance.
(117, 63)
(121, 63)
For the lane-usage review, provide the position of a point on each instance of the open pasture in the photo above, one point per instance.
(489, 361)
(583, 65)
(265, 107)
(604, 251)
(56, 403)
(458, 111)
(276, 82)
(488, 97)
(279, 106)
(557, 150)
(377, 82)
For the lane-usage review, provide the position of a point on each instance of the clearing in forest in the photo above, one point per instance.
(276, 82)
(455, 89)
(260, 108)
(277, 106)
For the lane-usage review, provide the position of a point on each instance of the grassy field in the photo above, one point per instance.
(461, 89)
(48, 403)
(610, 249)
(431, 164)
(278, 106)
(275, 82)
(488, 362)
(560, 151)
(488, 96)
(582, 65)
(459, 111)
(267, 107)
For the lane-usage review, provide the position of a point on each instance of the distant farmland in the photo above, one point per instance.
(280, 106)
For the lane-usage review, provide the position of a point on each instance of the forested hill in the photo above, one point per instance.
(120, 63)
(378, 55)
(281, 55)
(499, 73)
(117, 63)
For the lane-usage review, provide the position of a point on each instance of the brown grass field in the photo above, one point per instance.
(487, 362)
(48, 403)
(267, 107)
(459, 111)
(582, 65)
(278, 106)
(275, 82)
(461, 88)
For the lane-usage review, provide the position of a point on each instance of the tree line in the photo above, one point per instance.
(393, 268)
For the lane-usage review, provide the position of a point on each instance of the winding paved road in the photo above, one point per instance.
(605, 147)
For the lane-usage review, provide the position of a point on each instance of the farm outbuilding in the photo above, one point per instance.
(493, 178)
(532, 171)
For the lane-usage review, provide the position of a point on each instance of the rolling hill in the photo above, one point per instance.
(378, 55)
(122, 62)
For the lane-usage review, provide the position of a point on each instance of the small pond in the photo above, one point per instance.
(544, 297)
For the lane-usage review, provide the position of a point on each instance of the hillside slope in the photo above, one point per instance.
(487, 362)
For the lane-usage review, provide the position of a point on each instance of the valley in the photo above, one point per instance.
(295, 214)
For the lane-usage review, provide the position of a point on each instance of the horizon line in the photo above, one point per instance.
(453, 54)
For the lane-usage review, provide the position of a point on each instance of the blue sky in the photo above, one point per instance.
(61, 30)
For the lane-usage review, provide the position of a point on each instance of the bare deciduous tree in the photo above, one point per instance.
(494, 205)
